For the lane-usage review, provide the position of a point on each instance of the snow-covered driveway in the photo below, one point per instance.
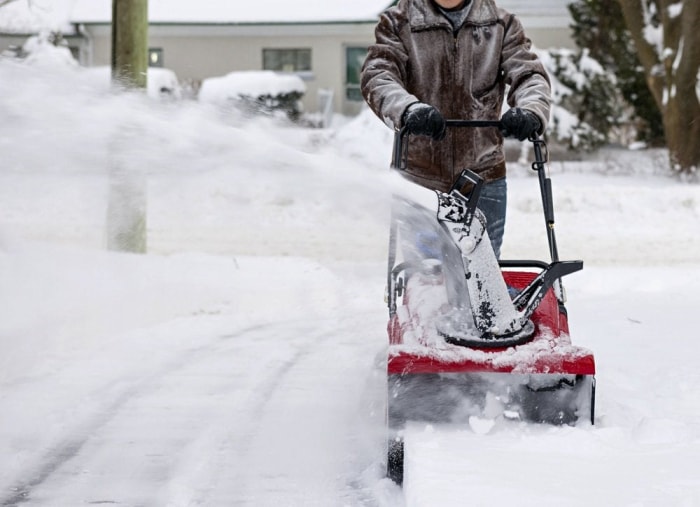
(273, 400)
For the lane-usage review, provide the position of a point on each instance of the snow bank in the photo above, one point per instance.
(161, 83)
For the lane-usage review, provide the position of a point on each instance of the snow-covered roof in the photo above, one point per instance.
(23, 16)
(227, 11)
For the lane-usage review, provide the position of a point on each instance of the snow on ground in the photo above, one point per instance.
(239, 361)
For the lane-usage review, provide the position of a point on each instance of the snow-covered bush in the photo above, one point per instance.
(256, 92)
(47, 49)
(586, 103)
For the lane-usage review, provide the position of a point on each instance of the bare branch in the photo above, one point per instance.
(3, 3)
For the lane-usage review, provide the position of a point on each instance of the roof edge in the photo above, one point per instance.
(236, 23)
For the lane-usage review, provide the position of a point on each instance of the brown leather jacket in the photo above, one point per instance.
(418, 57)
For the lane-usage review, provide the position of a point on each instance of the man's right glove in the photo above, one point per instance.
(423, 119)
(520, 123)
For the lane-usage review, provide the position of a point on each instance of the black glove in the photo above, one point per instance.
(422, 119)
(520, 123)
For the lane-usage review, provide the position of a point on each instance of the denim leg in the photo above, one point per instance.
(492, 204)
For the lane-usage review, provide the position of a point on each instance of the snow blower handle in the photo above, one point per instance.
(474, 123)
(399, 156)
(399, 160)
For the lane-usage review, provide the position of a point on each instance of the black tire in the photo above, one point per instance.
(394, 461)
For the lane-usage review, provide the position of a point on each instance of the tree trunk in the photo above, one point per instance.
(683, 119)
(672, 66)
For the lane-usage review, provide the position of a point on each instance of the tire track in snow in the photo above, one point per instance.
(55, 458)
(241, 440)
(327, 436)
(71, 447)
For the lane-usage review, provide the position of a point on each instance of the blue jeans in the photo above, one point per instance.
(492, 204)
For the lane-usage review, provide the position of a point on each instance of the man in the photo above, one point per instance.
(437, 59)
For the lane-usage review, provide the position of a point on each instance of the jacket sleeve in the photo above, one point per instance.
(524, 73)
(383, 79)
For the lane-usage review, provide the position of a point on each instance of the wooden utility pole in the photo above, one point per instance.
(127, 205)
(130, 42)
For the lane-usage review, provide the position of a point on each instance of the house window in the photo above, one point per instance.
(287, 60)
(155, 57)
(354, 58)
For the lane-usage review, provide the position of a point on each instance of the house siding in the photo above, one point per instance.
(195, 53)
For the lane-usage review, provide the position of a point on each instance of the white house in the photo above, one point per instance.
(323, 43)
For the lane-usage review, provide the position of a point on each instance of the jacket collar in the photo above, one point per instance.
(424, 14)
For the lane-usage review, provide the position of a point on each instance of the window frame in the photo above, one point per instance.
(159, 61)
(292, 60)
(352, 92)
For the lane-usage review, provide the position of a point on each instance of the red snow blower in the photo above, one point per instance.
(469, 335)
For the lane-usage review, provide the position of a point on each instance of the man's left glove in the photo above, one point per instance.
(520, 123)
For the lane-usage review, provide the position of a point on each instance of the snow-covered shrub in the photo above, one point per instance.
(47, 49)
(586, 103)
(163, 83)
(256, 92)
